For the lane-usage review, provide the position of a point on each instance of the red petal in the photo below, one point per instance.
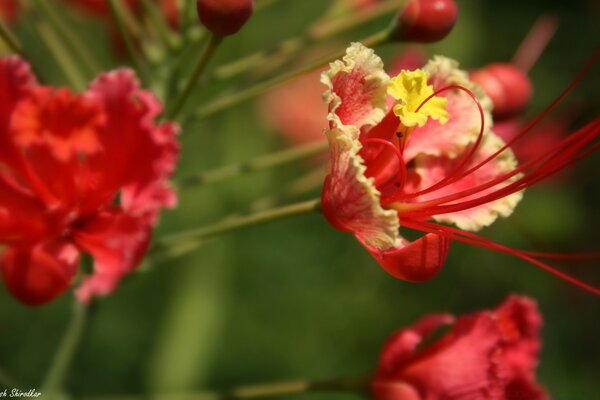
(36, 275)
(117, 242)
(136, 151)
(417, 261)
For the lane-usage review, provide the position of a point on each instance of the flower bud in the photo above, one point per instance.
(224, 17)
(425, 21)
(507, 86)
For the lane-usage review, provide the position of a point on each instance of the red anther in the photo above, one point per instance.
(507, 86)
(425, 21)
(224, 17)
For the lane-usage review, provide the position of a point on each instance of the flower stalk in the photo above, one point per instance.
(320, 30)
(234, 223)
(356, 385)
(84, 57)
(256, 164)
(118, 15)
(63, 358)
(226, 102)
(11, 41)
(207, 53)
(62, 56)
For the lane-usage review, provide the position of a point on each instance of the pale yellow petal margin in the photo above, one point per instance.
(358, 57)
(443, 72)
(358, 205)
(358, 200)
(484, 215)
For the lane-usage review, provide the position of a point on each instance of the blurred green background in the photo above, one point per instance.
(297, 299)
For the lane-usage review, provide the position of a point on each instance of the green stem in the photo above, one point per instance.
(61, 55)
(319, 31)
(355, 385)
(226, 102)
(237, 222)
(160, 24)
(117, 13)
(10, 39)
(207, 53)
(63, 358)
(79, 50)
(256, 164)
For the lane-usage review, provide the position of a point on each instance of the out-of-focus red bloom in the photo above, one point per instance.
(101, 8)
(485, 355)
(79, 173)
(9, 10)
(541, 140)
(392, 164)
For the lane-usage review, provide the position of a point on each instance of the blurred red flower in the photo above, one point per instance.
(9, 10)
(484, 355)
(78, 173)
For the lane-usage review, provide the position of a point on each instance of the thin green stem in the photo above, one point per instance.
(256, 164)
(79, 50)
(160, 24)
(10, 39)
(63, 358)
(117, 13)
(354, 385)
(317, 32)
(207, 53)
(237, 222)
(61, 55)
(226, 102)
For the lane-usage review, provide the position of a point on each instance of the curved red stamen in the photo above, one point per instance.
(401, 176)
(455, 174)
(476, 240)
(565, 153)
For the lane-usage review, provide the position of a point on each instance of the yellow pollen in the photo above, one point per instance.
(410, 89)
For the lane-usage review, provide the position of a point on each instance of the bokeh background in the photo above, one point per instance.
(296, 299)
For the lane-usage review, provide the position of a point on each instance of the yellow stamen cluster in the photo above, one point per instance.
(410, 89)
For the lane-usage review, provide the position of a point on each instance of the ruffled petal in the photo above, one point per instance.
(16, 82)
(433, 169)
(417, 261)
(357, 87)
(36, 275)
(136, 153)
(117, 242)
(461, 365)
(349, 200)
(464, 123)
(520, 323)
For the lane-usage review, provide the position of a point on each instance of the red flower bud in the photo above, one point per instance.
(224, 17)
(507, 86)
(425, 21)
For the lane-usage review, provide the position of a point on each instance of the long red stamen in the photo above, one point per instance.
(564, 154)
(456, 173)
(476, 240)
(401, 177)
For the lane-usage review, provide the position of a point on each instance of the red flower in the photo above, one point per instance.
(9, 10)
(485, 355)
(79, 173)
(420, 147)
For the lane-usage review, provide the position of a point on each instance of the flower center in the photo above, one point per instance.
(65, 122)
(415, 100)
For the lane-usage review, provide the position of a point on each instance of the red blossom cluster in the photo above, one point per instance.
(79, 173)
